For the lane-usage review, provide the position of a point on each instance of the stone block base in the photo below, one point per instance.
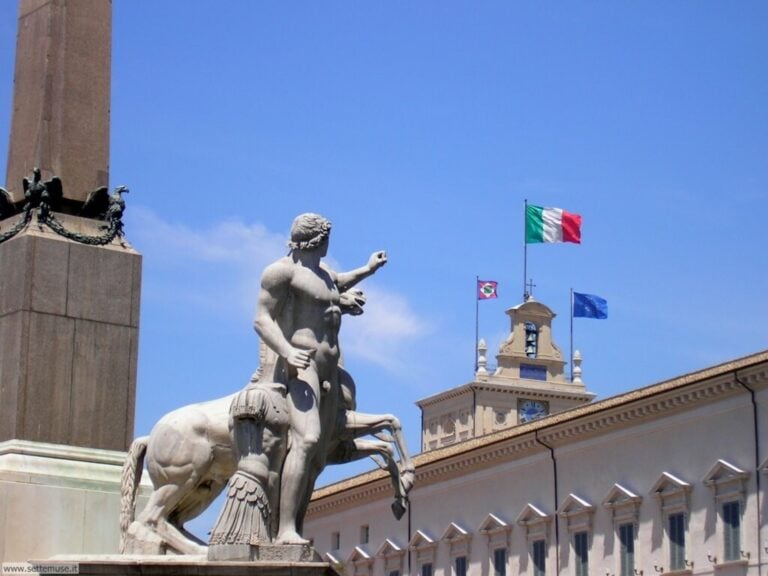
(263, 553)
(69, 322)
(116, 565)
(57, 499)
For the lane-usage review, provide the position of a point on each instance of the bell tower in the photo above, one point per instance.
(529, 352)
(528, 383)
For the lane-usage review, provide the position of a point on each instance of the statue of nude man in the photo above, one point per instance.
(298, 317)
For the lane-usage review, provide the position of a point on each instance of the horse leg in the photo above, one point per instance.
(176, 497)
(359, 424)
(408, 470)
(194, 504)
(155, 517)
(363, 447)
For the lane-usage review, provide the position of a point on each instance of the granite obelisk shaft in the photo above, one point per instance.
(61, 94)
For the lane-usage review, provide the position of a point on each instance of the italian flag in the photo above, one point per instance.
(551, 225)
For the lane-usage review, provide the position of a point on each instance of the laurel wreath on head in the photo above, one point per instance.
(315, 241)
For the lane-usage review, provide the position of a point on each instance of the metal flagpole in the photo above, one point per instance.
(477, 321)
(571, 335)
(525, 252)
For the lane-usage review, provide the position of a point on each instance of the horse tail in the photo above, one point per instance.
(129, 485)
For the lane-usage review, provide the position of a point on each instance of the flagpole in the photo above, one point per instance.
(477, 321)
(525, 252)
(571, 335)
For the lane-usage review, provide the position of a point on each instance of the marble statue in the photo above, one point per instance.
(267, 443)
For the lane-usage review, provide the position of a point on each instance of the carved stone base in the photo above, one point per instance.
(140, 540)
(69, 322)
(263, 553)
(58, 499)
(116, 565)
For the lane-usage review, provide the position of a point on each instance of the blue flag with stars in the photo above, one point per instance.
(589, 306)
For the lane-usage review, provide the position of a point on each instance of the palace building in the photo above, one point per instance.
(521, 472)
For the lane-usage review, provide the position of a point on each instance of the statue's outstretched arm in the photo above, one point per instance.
(274, 292)
(345, 280)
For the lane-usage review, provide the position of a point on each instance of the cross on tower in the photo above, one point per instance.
(529, 286)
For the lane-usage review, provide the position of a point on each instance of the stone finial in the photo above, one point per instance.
(482, 360)
(577, 367)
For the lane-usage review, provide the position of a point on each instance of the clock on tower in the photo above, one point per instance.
(529, 410)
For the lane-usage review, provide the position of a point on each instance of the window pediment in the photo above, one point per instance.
(361, 561)
(455, 532)
(577, 513)
(669, 484)
(623, 503)
(360, 556)
(389, 548)
(458, 538)
(531, 515)
(492, 524)
(331, 559)
(424, 546)
(724, 471)
(392, 554)
(535, 522)
(672, 493)
(726, 480)
(421, 540)
(574, 505)
(496, 529)
(620, 496)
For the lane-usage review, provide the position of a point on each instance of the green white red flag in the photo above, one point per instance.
(551, 225)
(486, 289)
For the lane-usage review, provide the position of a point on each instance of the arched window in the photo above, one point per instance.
(531, 340)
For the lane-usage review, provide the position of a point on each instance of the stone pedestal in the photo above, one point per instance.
(57, 499)
(182, 566)
(69, 318)
(263, 553)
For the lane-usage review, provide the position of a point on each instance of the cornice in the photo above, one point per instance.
(536, 390)
(632, 408)
(556, 390)
(372, 486)
(643, 409)
(445, 395)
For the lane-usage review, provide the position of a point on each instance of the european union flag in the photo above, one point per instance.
(589, 306)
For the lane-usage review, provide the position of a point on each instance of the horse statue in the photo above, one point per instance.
(270, 441)
(190, 457)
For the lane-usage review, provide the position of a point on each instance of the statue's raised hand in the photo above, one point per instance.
(377, 260)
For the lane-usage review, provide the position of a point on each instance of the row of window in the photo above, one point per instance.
(726, 481)
(626, 533)
(731, 513)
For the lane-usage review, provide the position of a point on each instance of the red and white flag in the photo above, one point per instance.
(486, 289)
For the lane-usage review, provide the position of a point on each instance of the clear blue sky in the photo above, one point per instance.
(420, 128)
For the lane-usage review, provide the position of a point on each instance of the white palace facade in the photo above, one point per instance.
(521, 472)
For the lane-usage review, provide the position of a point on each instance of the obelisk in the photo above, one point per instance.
(69, 310)
(60, 119)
